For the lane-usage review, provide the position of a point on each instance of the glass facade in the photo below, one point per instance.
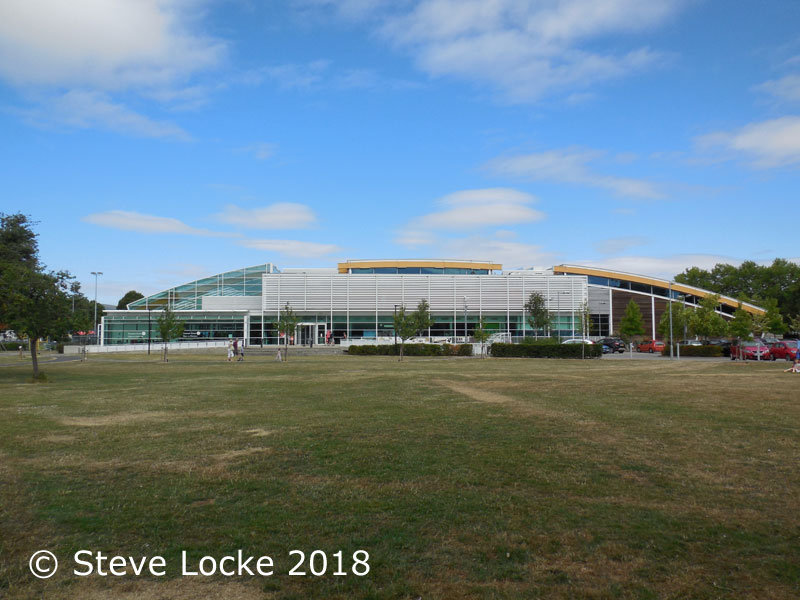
(242, 282)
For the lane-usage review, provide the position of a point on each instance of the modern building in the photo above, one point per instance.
(358, 300)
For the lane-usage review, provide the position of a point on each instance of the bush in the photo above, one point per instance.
(696, 351)
(412, 350)
(9, 346)
(545, 350)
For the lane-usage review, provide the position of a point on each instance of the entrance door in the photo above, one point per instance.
(306, 332)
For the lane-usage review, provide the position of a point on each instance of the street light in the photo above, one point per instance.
(394, 324)
(96, 274)
(465, 319)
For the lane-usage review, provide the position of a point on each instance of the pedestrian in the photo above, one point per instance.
(241, 352)
(328, 337)
(278, 357)
(236, 348)
(230, 350)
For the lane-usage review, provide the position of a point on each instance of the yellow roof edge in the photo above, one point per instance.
(678, 287)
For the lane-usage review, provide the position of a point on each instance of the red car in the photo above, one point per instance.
(651, 346)
(785, 350)
(750, 351)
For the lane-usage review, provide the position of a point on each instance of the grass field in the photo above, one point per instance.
(462, 478)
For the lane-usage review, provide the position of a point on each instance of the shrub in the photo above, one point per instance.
(412, 350)
(545, 350)
(696, 351)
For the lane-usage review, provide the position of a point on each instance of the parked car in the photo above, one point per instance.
(607, 349)
(786, 350)
(578, 341)
(691, 343)
(722, 343)
(616, 344)
(755, 350)
(651, 346)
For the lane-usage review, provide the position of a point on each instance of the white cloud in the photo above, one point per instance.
(787, 88)
(281, 215)
(512, 255)
(569, 165)
(481, 208)
(105, 44)
(260, 150)
(292, 248)
(768, 144)
(664, 267)
(133, 221)
(620, 244)
(81, 109)
(526, 49)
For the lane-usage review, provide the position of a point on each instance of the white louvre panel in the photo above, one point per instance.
(231, 303)
(362, 294)
(318, 292)
(341, 293)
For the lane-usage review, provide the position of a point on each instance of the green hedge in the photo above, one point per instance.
(413, 350)
(695, 351)
(15, 345)
(546, 350)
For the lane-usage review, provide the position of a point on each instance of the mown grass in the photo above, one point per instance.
(462, 478)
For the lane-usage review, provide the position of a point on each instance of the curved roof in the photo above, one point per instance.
(678, 287)
(441, 264)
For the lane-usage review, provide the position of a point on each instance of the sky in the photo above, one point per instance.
(160, 141)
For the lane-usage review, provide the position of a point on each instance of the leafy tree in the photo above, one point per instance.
(539, 317)
(632, 323)
(38, 305)
(169, 328)
(773, 321)
(287, 323)
(705, 321)
(33, 302)
(680, 324)
(406, 326)
(741, 325)
(131, 296)
(752, 282)
(481, 334)
(422, 317)
(18, 244)
(794, 324)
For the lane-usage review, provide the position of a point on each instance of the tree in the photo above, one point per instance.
(422, 317)
(632, 323)
(705, 321)
(131, 296)
(169, 328)
(481, 334)
(406, 326)
(680, 324)
(774, 322)
(287, 323)
(18, 244)
(33, 302)
(538, 315)
(37, 305)
(741, 325)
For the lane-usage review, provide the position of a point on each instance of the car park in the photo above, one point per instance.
(785, 349)
(651, 346)
(755, 350)
(616, 344)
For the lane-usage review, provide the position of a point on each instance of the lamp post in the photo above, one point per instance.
(465, 319)
(96, 274)
(394, 324)
(671, 338)
(148, 330)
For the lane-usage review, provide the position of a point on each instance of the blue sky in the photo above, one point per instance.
(159, 141)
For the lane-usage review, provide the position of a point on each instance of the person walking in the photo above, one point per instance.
(241, 351)
(230, 350)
